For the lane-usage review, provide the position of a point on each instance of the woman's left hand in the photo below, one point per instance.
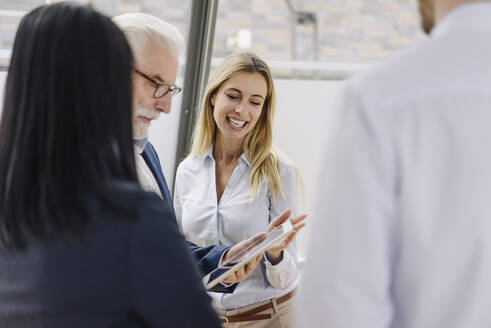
(275, 253)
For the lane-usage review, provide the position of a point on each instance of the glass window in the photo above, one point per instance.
(308, 34)
(347, 31)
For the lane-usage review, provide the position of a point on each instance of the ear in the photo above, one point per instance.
(212, 100)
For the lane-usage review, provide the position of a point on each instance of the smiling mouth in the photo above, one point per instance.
(236, 123)
(145, 119)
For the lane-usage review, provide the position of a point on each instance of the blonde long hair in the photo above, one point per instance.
(258, 144)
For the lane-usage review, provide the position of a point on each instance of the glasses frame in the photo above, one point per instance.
(172, 88)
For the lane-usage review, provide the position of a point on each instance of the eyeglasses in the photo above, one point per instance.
(161, 88)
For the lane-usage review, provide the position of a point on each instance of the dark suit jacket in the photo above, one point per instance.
(126, 273)
(207, 258)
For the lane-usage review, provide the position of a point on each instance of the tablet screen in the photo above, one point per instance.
(261, 245)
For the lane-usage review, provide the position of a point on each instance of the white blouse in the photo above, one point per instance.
(235, 218)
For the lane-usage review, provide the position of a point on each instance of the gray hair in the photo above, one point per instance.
(140, 28)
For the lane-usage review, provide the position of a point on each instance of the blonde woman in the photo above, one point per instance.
(234, 182)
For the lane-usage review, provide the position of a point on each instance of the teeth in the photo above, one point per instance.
(236, 123)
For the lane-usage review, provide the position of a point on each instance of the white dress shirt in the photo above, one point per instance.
(145, 176)
(402, 227)
(233, 219)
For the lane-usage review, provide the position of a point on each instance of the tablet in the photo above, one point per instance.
(223, 271)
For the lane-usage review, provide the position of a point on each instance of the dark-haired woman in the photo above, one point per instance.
(75, 249)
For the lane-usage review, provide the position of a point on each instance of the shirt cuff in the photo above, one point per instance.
(220, 261)
(280, 265)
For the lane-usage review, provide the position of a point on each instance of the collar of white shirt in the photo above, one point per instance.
(209, 155)
(465, 17)
(140, 145)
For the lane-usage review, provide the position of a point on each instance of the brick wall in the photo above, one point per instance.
(348, 30)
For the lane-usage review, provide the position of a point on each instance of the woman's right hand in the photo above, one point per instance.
(275, 253)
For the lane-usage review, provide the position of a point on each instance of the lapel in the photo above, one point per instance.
(152, 159)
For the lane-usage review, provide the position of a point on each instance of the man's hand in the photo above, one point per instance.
(275, 253)
(246, 270)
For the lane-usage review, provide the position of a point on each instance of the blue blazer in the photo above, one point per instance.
(207, 258)
(130, 273)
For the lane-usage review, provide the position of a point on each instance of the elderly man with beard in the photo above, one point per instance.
(402, 236)
(155, 45)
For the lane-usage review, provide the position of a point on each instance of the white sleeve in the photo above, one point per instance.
(284, 273)
(178, 199)
(347, 277)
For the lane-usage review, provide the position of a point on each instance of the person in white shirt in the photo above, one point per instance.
(402, 230)
(234, 182)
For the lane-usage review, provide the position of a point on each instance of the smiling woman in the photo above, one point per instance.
(237, 106)
(233, 184)
(256, 145)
